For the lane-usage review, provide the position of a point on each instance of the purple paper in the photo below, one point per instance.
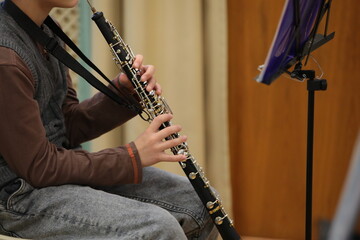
(283, 48)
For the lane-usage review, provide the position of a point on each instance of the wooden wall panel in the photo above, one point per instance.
(268, 123)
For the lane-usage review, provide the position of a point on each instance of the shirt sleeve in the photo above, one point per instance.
(24, 145)
(92, 117)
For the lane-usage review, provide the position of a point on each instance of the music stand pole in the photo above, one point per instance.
(312, 86)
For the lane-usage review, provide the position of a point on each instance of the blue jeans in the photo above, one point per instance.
(164, 206)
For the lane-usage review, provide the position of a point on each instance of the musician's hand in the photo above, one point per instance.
(147, 74)
(151, 146)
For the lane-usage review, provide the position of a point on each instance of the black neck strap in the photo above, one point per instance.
(52, 46)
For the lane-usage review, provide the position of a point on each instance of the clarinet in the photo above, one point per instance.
(154, 105)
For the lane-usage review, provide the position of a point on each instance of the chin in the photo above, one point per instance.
(71, 3)
(66, 3)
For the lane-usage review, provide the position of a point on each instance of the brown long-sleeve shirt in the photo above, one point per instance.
(24, 145)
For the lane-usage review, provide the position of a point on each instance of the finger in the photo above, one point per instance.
(151, 83)
(149, 71)
(158, 89)
(156, 123)
(174, 142)
(172, 158)
(138, 61)
(148, 76)
(168, 131)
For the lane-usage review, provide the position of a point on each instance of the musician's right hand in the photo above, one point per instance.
(151, 146)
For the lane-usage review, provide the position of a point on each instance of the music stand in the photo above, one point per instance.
(295, 38)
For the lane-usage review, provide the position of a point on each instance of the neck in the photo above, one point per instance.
(34, 9)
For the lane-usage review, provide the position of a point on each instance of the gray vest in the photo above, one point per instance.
(50, 84)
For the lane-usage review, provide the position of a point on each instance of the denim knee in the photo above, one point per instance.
(164, 226)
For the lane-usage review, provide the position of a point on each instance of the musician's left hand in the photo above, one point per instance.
(147, 75)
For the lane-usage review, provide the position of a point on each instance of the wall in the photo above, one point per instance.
(268, 123)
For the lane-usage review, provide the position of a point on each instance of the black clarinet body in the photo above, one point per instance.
(154, 105)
